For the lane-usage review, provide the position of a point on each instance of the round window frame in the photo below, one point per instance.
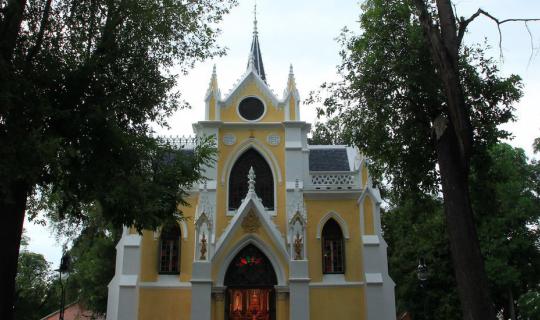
(254, 120)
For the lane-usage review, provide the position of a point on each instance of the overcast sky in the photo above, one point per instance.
(302, 33)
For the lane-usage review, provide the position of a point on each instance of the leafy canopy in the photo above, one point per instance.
(503, 184)
(389, 96)
(78, 96)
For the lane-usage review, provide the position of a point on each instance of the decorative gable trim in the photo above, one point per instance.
(251, 75)
(251, 206)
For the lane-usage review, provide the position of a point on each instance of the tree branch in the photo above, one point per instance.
(463, 23)
(39, 40)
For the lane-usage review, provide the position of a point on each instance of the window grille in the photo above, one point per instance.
(169, 253)
(332, 248)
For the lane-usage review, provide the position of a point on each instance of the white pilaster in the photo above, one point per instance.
(201, 290)
(123, 297)
(299, 290)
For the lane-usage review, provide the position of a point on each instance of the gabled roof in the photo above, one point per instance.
(329, 159)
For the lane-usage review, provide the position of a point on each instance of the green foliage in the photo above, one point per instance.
(327, 133)
(416, 230)
(505, 203)
(32, 293)
(79, 95)
(390, 96)
(529, 305)
(503, 185)
(93, 254)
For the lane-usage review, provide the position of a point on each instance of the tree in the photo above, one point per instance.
(91, 268)
(414, 100)
(80, 84)
(505, 205)
(32, 292)
(326, 133)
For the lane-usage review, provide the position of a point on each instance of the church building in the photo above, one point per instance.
(281, 230)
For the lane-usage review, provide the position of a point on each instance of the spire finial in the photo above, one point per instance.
(290, 69)
(251, 180)
(214, 70)
(255, 18)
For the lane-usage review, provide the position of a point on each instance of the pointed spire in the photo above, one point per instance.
(291, 82)
(213, 79)
(255, 20)
(255, 58)
(251, 180)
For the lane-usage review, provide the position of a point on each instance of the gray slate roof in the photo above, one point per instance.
(334, 159)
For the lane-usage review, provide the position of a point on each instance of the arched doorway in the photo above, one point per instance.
(250, 281)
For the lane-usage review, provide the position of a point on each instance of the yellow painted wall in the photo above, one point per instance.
(226, 152)
(292, 108)
(364, 175)
(212, 108)
(150, 248)
(229, 111)
(164, 304)
(369, 227)
(348, 210)
(337, 303)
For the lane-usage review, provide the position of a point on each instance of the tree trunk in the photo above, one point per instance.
(511, 307)
(454, 151)
(12, 209)
(466, 256)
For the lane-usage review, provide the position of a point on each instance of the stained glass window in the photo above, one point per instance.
(238, 181)
(332, 248)
(250, 268)
(169, 249)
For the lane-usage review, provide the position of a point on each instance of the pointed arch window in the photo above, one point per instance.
(169, 249)
(333, 248)
(238, 181)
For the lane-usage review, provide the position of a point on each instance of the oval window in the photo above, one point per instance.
(251, 108)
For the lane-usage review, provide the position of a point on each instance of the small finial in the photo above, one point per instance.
(251, 180)
(214, 70)
(291, 69)
(296, 185)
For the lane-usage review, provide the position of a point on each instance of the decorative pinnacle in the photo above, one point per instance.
(214, 73)
(291, 70)
(255, 19)
(251, 180)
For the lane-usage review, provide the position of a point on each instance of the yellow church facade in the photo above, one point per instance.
(280, 230)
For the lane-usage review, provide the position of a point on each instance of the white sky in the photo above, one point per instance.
(303, 33)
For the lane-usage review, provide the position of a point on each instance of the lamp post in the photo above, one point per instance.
(64, 267)
(422, 274)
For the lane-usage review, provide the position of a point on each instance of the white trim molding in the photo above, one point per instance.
(333, 215)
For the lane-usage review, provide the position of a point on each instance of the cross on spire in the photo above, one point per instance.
(255, 58)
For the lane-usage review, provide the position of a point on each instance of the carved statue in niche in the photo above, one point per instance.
(203, 247)
(298, 244)
(251, 223)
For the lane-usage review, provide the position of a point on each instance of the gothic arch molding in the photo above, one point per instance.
(333, 215)
(243, 147)
(261, 245)
(183, 230)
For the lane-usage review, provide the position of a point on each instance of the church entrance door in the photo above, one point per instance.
(250, 281)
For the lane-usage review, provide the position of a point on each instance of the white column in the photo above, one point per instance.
(201, 290)
(123, 297)
(299, 290)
